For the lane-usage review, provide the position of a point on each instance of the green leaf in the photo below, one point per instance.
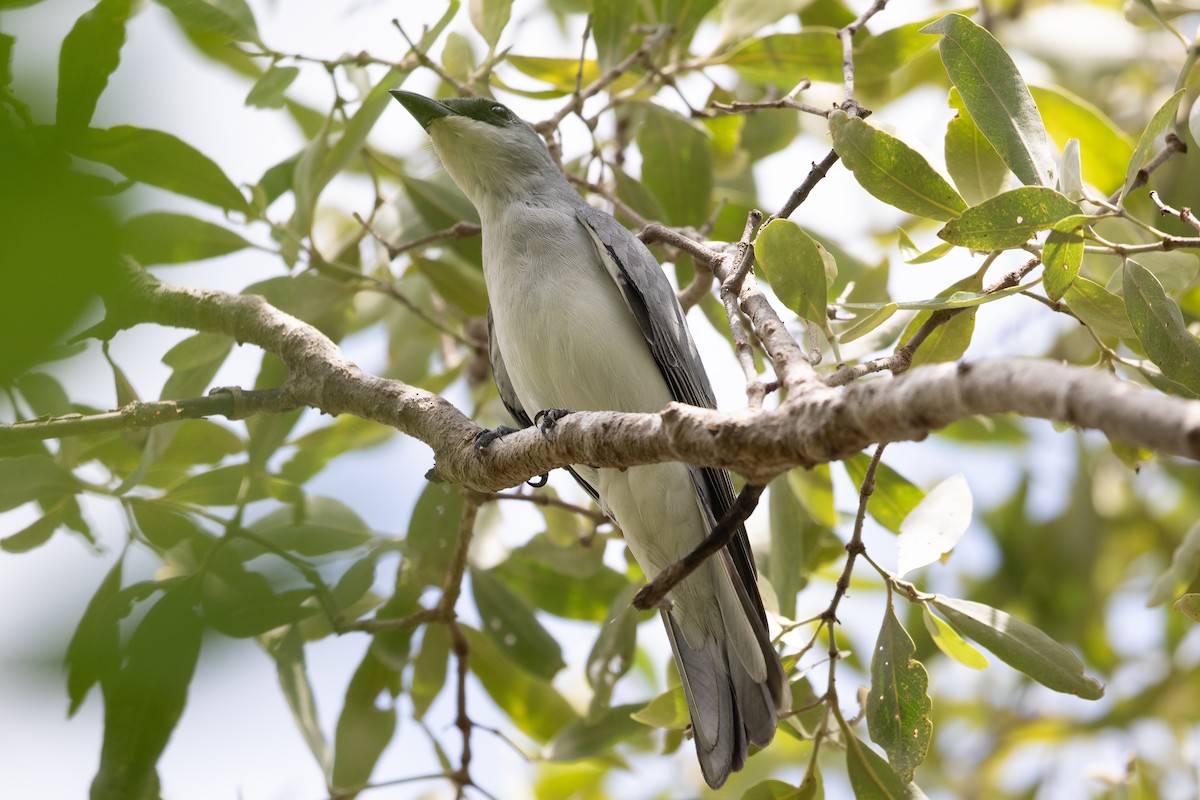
(950, 643)
(1099, 309)
(320, 161)
(797, 267)
(166, 528)
(321, 301)
(1021, 646)
(935, 525)
(613, 652)
(997, 98)
(561, 73)
(1189, 606)
(308, 537)
(490, 17)
(1160, 327)
(800, 516)
(314, 450)
(868, 323)
(892, 171)
(90, 53)
(458, 282)
(894, 497)
(1061, 256)
(429, 668)
(913, 254)
(36, 533)
(34, 477)
(668, 710)
(145, 698)
(161, 160)
(870, 776)
(1176, 271)
(1185, 566)
(612, 22)
(740, 18)
(586, 738)
(976, 167)
(552, 589)
(772, 789)
(367, 723)
(267, 91)
(292, 671)
(441, 204)
(1141, 153)
(166, 238)
(94, 651)
(232, 18)
(1008, 220)
(784, 59)
(433, 531)
(533, 705)
(877, 57)
(951, 339)
(676, 165)
(1105, 150)
(898, 705)
(514, 628)
(684, 16)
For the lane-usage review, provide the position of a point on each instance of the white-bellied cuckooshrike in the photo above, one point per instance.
(583, 318)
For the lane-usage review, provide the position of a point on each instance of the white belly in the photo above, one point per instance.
(569, 340)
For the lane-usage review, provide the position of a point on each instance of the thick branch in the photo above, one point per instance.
(819, 425)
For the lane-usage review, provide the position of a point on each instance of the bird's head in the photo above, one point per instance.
(491, 153)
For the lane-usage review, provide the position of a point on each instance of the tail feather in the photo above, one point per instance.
(733, 683)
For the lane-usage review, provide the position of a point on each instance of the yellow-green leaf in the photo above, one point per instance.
(797, 267)
(892, 171)
(950, 643)
(994, 93)
(1008, 220)
(1160, 327)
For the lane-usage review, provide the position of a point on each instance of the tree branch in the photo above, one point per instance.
(815, 426)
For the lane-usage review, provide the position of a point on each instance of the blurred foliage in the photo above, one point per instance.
(1052, 600)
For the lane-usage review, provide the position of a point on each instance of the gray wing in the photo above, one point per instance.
(652, 300)
(508, 396)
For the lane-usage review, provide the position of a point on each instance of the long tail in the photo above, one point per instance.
(734, 685)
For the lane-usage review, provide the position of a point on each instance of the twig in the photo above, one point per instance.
(451, 586)
(1184, 214)
(619, 205)
(846, 35)
(901, 360)
(459, 230)
(426, 61)
(229, 402)
(699, 286)
(462, 776)
(800, 194)
(575, 104)
(756, 390)
(1172, 145)
(539, 499)
(651, 595)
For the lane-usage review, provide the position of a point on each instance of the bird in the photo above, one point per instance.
(582, 318)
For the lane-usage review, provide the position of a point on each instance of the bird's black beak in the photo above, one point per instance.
(424, 109)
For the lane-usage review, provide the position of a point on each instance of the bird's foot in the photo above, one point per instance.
(547, 418)
(488, 435)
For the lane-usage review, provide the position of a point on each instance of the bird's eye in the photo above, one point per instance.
(500, 111)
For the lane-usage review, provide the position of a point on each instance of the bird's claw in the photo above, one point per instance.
(488, 435)
(547, 418)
